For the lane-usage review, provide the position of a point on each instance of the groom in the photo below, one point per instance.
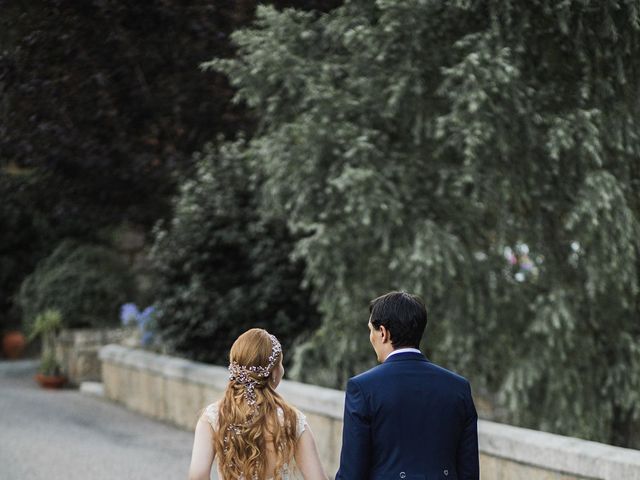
(407, 418)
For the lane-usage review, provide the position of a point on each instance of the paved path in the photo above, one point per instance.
(56, 435)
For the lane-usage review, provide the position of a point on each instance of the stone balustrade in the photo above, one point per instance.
(176, 390)
(77, 351)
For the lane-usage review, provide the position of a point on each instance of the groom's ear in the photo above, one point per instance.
(385, 334)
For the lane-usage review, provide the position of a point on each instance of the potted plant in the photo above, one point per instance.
(46, 325)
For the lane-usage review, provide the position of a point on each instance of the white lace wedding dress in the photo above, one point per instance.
(212, 416)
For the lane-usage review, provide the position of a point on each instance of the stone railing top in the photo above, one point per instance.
(568, 455)
(309, 398)
(562, 454)
(92, 336)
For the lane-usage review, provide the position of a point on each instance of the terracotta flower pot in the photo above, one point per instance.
(50, 381)
(13, 344)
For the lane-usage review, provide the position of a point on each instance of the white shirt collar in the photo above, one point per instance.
(403, 350)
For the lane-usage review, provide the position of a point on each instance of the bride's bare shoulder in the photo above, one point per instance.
(211, 413)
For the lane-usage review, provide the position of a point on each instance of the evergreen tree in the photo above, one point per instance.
(221, 268)
(484, 154)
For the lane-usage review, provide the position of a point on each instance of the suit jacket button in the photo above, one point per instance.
(403, 475)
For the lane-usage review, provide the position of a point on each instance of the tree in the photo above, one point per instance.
(102, 105)
(221, 268)
(108, 96)
(482, 154)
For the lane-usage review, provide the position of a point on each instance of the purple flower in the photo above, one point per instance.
(128, 313)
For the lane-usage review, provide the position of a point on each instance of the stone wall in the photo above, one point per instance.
(176, 390)
(77, 351)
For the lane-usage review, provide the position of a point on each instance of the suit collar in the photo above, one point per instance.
(403, 356)
(404, 350)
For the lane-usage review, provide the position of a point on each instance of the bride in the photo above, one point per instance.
(253, 433)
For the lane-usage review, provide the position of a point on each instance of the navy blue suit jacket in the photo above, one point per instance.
(409, 419)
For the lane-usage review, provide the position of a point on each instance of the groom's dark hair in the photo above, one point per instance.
(403, 315)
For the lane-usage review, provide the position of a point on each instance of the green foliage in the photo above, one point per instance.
(23, 241)
(221, 268)
(412, 143)
(101, 128)
(86, 283)
(112, 117)
(46, 325)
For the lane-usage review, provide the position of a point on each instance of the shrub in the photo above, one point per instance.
(86, 283)
(222, 268)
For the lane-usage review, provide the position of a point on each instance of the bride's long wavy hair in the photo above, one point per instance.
(241, 453)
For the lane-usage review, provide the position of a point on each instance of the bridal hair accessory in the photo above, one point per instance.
(242, 375)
